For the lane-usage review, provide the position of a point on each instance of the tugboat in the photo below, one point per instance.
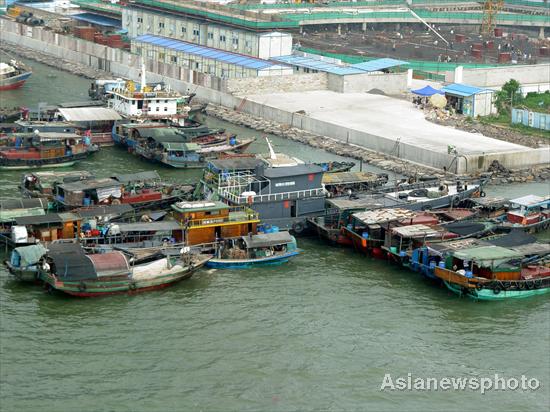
(13, 75)
(35, 150)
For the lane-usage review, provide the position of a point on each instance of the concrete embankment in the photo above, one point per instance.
(498, 173)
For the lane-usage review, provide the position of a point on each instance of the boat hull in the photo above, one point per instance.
(22, 164)
(248, 263)
(14, 82)
(22, 274)
(489, 294)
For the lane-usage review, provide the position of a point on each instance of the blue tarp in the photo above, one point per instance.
(427, 91)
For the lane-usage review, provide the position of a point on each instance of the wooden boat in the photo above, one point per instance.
(342, 184)
(529, 213)
(43, 184)
(34, 150)
(23, 262)
(141, 190)
(13, 75)
(335, 167)
(68, 269)
(254, 250)
(494, 273)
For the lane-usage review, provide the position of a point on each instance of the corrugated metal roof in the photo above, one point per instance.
(207, 52)
(413, 231)
(379, 64)
(89, 114)
(463, 90)
(530, 200)
(317, 64)
(97, 19)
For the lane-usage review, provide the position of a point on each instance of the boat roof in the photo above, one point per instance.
(138, 176)
(535, 248)
(30, 254)
(9, 204)
(454, 245)
(489, 201)
(464, 228)
(512, 239)
(88, 114)
(89, 184)
(415, 231)
(236, 163)
(71, 261)
(47, 219)
(487, 254)
(379, 216)
(185, 147)
(368, 202)
(164, 225)
(60, 176)
(280, 160)
(58, 135)
(11, 215)
(199, 206)
(267, 239)
(105, 210)
(530, 201)
(160, 133)
(340, 178)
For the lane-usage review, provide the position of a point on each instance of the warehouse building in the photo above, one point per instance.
(203, 59)
(205, 33)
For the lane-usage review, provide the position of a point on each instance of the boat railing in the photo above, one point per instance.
(270, 197)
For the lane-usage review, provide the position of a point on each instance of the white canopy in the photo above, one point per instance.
(88, 114)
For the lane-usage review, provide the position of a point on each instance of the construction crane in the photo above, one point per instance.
(490, 11)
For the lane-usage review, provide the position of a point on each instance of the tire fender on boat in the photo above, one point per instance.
(82, 287)
(497, 289)
(132, 286)
(298, 227)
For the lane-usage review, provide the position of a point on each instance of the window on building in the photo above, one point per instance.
(197, 65)
(173, 59)
(222, 37)
(161, 25)
(235, 42)
(140, 19)
(158, 109)
(210, 36)
(162, 56)
(138, 51)
(166, 109)
(196, 32)
(247, 43)
(184, 29)
(166, 101)
(223, 73)
(151, 54)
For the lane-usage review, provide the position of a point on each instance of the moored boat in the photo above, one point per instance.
(49, 149)
(529, 213)
(13, 75)
(67, 268)
(23, 262)
(254, 250)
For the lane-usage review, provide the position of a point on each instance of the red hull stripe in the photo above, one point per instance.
(122, 292)
(16, 85)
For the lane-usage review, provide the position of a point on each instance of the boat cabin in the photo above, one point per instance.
(43, 145)
(49, 227)
(529, 210)
(207, 222)
(345, 183)
(42, 184)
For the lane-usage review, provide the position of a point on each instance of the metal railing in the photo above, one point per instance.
(270, 197)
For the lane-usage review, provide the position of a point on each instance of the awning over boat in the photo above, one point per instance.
(489, 201)
(105, 210)
(70, 262)
(487, 255)
(267, 239)
(540, 249)
(88, 114)
(30, 255)
(514, 238)
(381, 216)
(139, 176)
(167, 225)
(416, 231)
(341, 178)
(47, 219)
(161, 134)
(109, 264)
(6, 204)
(531, 201)
(89, 184)
(187, 207)
(184, 147)
(468, 228)
(14, 214)
(454, 245)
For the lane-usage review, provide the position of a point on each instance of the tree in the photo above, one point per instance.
(510, 95)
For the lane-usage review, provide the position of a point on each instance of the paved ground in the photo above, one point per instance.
(386, 117)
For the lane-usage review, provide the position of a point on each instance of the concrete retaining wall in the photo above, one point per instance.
(495, 77)
(277, 84)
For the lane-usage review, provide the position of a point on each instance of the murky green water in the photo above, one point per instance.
(317, 334)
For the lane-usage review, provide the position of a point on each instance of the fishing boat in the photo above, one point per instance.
(47, 149)
(23, 263)
(335, 166)
(254, 250)
(494, 272)
(43, 184)
(529, 213)
(141, 190)
(13, 75)
(67, 268)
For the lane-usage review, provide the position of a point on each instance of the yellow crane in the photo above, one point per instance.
(490, 11)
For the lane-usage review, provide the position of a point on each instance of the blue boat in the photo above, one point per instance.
(262, 249)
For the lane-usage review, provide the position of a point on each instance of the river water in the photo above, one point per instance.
(319, 333)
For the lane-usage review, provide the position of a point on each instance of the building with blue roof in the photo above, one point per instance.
(469, 100)
(204, 59)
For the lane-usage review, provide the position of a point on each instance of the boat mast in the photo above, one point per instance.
(272, 154)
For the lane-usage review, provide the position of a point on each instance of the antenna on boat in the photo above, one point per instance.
(143, 80)
(272, 154)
